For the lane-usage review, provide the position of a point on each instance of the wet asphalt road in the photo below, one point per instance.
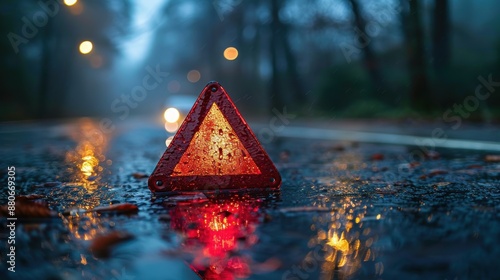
(346, 210)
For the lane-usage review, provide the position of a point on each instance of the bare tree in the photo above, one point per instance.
(441, 35)
(281, 51)
(369, 58)
(275, 95)
(419, 92)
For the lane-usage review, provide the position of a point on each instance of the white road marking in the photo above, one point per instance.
(385, 138)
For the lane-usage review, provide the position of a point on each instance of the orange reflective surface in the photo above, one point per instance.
(215, 150)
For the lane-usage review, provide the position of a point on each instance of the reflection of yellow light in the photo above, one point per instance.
(378, 216)
(340, 244)
(70, 2)
(89, 162)
(84, 227)
(88, 156)
(84, 259)
(193, 76)
(86, 47)
(87, 169)
(230, 53)
(171, 115)
(169, 139)
(171, 127)
(348, 242)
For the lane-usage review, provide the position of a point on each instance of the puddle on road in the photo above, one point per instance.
(342, 243)
(88, 160)
(217, 233)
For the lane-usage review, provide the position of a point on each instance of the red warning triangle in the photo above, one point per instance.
(214, 149)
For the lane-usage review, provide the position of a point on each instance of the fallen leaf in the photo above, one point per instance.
(139, 175)
(377, 157)
(269, 265)
(28, 209)
(432, 155)
(435, 172)
(103, 244)
(442, 184)
(122, 208)
(414, 164)
(410, 165)
(492, 158)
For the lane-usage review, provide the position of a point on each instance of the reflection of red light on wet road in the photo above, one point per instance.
(215, 231)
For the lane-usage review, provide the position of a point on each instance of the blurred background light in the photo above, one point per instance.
(70, 2)
(86, 47)
(169, 140)
(309, 60)
(230, 53)
(193, 76)
(174, 86)
(171, 127)
(171, 115)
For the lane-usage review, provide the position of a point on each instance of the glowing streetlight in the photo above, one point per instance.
(86, 47)
(70, 3)
(230, 53)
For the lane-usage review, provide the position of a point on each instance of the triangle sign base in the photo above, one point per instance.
(214, 150)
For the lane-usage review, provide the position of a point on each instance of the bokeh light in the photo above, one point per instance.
(96, 61)
(193, 76)
(174, 86)
(171, 127)
(230, 53)
(70, 2)
(169, 140)
(86, 47)
(171, 115)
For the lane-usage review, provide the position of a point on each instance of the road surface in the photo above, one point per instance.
(357, 205)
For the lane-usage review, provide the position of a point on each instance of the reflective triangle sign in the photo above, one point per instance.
(214, 149)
